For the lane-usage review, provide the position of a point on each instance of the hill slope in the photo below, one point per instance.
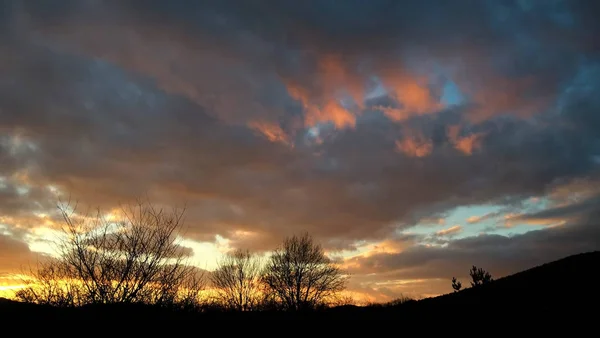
(559, 289)
(563, 288)
(569, 285)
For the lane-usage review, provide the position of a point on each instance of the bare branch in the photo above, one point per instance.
(133, 260)
(237, 280)
(300, 274)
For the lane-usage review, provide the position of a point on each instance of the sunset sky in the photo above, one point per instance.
(412, 138)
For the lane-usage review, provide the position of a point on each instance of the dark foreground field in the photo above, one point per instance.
(562, 293)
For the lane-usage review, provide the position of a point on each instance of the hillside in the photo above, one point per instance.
(561, 289)
(564, 280)
(565, 288)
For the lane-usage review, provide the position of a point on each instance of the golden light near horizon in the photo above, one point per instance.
(8, 291)
(44, 240)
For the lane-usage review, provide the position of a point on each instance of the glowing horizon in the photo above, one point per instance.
(411, 140)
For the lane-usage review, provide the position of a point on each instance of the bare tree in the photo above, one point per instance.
(300, 275)
(237, 280)
(456, 284)
(134, 260)
(46, 285)
(479, 276)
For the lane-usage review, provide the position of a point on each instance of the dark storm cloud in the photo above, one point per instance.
(537, 42)
(122, 98)
(91, 125)
(525, 51)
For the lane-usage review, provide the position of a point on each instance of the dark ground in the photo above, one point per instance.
(560, 295)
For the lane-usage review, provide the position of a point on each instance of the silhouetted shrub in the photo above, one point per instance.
(342, 300)
(399, 301)
(479, 276)
(456, 284)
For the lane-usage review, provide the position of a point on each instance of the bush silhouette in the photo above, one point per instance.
(479, 276)
(456, 284)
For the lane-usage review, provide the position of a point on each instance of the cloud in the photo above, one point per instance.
(500, 254)
(271, 131)
(302, 52)
(415, 145)
(133, 132)
(320, 103)
(285, 116)
(15, 256)
(484, 217)
(113, 242)
(449, 231)
(559, 214)
(465, 144)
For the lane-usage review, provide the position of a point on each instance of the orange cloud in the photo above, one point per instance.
(513, 219)
(468, 143)
(298, 93)
(321, 104)
(388, 246)
(413, 95)
(465, 144)
(331, 112)
(270, 131)
(335, 76)
(415, 145)
(450, 231)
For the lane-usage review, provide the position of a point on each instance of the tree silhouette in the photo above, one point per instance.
(237, 280)
(456, 284)
(479, 276)
(134, 260)
(300, 275)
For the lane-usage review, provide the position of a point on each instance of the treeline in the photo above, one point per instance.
(137, 260)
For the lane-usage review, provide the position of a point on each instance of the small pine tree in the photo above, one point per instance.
(479, 276)
(456, 284)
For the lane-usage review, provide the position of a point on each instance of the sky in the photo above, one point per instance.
(413, 138)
